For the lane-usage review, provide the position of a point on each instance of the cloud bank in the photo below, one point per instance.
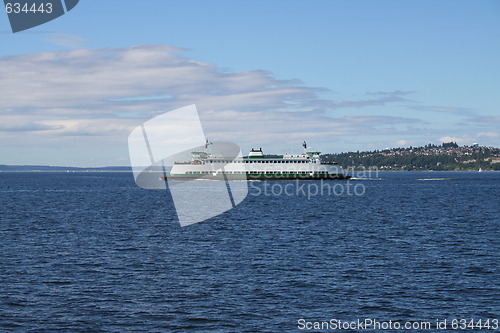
(94, 98)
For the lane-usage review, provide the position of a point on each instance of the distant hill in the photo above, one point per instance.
(446, 157)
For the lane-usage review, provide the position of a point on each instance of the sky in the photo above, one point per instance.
(342, 75)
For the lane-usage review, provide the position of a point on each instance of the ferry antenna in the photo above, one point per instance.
(207, 143)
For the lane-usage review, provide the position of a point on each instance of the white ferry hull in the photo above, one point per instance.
(256, 166)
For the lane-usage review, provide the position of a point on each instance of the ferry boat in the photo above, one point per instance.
(256, 166)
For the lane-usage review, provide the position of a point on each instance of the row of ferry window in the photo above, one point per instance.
(250, 161)
(256, 172)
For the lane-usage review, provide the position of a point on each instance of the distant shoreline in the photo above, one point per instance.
(62, 171)
(47, 168)
(446, 157)
(159, 171)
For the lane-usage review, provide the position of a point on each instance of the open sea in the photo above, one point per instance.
(92, 252)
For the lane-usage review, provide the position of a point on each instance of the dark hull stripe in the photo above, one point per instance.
(259, 177)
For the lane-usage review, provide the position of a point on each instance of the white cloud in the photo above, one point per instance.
(458, 111)
(446, 139)
(492, 135)
(483, 138)
(68, 40)
(486, 119)
(402, 142)
(94, 98)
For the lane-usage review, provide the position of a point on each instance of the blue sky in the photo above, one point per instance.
(343, 75)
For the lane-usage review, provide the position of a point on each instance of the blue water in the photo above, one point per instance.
(93, 252)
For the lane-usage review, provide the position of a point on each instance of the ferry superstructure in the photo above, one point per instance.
(257, 166)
